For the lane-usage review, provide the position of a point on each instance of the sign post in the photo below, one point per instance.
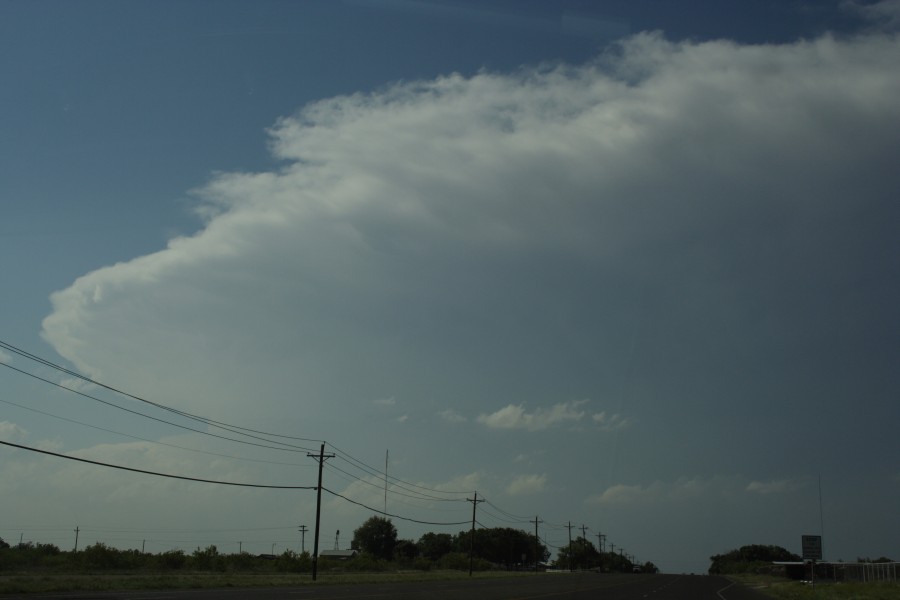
(812, 550)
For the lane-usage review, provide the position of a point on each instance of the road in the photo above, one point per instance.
(561, 586)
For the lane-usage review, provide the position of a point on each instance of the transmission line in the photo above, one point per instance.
(207, 421)
(145, 472)
(149, 441)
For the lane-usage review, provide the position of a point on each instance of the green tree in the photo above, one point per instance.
(377, 537)
(580, 554)
(748, 559)
(435, 545)
(502, 546)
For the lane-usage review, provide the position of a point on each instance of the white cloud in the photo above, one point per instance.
(526, 484)
(12, 432)
(460, 240)
(884, 14)
(652, 493)
(778, 486)
(5, 357)
(610, 422)
(451, 416)
(445, 194)
(385, 401)
(515, 417)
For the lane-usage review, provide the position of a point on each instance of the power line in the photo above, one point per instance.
(103, 464)
(387, 514)
(290, 448)
(136, 437)
(417, 496)
(221, 425)
(243, 431)
(382, 475)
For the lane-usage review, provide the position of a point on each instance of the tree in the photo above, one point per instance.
(377, 537)
(748, 559)
(502, 546)
(406, 549)
(649, 567)
(580, 554)
(435, 545)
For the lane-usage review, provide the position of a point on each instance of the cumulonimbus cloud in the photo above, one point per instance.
(398, 219)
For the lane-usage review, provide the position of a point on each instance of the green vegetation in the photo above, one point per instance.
(582, 554)
(30, 568)
(34, 568)
(754, 558)
(784, 589)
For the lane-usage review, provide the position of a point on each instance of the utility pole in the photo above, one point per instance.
(600, 537)
(474, 502)
(321, 457)
(570, 546)
(302, 539)
(537, 545)
(240, 547)
(76, 538)
(143, 545)
(584, 545)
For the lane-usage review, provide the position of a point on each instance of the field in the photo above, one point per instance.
(797, 590)
(31, 582)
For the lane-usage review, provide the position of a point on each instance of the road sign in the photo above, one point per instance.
(812, 547)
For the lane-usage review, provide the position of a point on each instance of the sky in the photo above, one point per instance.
(626, 266)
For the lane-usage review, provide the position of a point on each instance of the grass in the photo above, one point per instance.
(784, 589)
(32, 583)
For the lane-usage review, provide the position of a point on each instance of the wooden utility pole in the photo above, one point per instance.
(474, 502)
(600, 537)
(537, 543)
(76, 538)
(584, 545)
(302, 529)
(321, 457)
(570, 545)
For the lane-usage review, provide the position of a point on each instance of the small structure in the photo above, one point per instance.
(338, 554)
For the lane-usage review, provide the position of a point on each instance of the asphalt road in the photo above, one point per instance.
(568, 586)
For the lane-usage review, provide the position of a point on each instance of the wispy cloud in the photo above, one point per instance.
(11, 432)
(610, 422)
(779, 486)
(514, 416)
(451, 416)
(526, 484)
(656, 491)
(884, 14)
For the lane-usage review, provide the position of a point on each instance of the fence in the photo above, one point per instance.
(865, 572)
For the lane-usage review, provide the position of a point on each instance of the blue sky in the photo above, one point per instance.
(628, 265)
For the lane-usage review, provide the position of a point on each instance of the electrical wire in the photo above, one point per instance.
(103, 464)
(219, 424)
(378, 473)
(415, 496)
(244, 431)
(136, 437)
(387, 514)
(410, 487)
(135, 412)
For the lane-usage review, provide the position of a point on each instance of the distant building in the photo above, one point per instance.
(338, 554)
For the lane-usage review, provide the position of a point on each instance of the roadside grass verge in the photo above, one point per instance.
(785, 589)
(33, 583)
